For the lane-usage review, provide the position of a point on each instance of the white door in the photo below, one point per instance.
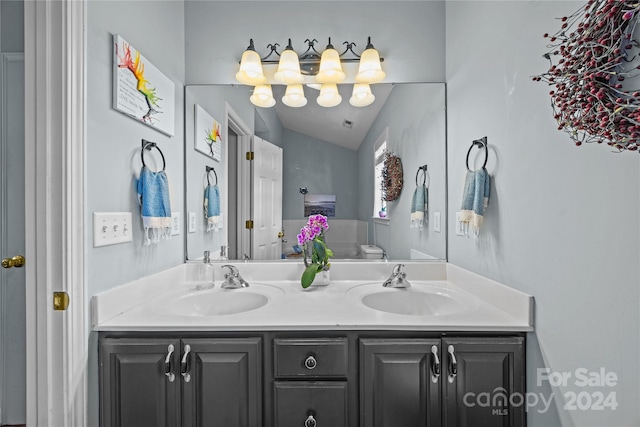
(266, 193)
(12, 211)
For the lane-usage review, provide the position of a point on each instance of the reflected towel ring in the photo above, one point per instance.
(209, 170)
(147, 146)
(424, 174)
(479, 142)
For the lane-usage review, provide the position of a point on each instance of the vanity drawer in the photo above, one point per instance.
(310, 358)
(310, 404)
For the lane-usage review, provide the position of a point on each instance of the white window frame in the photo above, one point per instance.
(379, 147)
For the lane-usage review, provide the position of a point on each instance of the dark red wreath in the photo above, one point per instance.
(597, 89)
(392, 177)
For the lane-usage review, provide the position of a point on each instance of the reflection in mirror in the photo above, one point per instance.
(326, 153)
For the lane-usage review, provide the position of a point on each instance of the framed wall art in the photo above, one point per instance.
(208, 134)
(140, 90)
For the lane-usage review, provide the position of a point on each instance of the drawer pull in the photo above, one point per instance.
(168, 369)
(310, 363)
(184, 366)
(435, 367)
(453, 364)
(310, 422)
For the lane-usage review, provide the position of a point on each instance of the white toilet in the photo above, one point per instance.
(370, 252)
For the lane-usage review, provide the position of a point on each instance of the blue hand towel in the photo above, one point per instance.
(212, 208)
(419, 207)
(475, 198)
(153, 193)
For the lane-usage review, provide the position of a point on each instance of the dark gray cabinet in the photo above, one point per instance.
(311, 403)
(484, 382)
(224, 387)
(191, 382)
(138, 383)
(399, 382)
(311, 379)
(449, 382)
(322, 398)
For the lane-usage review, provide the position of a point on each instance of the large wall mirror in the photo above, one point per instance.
(328, 164)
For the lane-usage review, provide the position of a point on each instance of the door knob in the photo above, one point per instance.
(16, 261)
(280, 235)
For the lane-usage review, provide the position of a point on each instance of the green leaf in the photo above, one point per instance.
(309, 274)
(319, 249)
(329, 253)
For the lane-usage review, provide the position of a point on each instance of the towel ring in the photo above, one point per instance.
(148, 145)
(479, 142)
(424, 174)
(209, 170)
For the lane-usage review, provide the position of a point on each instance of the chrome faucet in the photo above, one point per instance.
(232, 279)
(397, 278)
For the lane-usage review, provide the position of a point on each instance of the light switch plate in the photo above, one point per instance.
(436, 222)
(175, 223)
(459, 225)
(192, 222)
(111, 228)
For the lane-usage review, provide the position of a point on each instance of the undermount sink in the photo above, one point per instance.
(221, 302)
(418, 300)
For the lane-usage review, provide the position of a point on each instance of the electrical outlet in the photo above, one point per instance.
(436, 222)
(111, 228)
(175, 223)
(459, 225)
(192, 222)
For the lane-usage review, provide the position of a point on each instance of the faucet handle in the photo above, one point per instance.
(233, 270)
(397, 269)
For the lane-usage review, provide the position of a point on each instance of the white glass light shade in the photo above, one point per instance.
(288, 68)
(330, 67)
(361, 96)
(369, 70)
(250, 72)
(262, 96)
(329, 95)
(294, 96)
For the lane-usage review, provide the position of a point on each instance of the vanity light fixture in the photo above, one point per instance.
(325, 70)
(263, 96)
(294, 96)
(329, 95)
(250, 72)
(361, 96)
(330, 66)
(289, 67)
(369, 69)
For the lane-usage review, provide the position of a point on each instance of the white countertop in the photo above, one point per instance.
(149, 304)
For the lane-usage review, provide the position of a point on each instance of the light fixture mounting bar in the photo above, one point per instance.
(311, 55)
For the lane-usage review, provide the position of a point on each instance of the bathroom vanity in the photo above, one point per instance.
(348, 354)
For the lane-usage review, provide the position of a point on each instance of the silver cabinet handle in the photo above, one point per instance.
(436, 364)
(184, 365)
(168, 371)
(310, 422)
(453, 364)
(310, 363)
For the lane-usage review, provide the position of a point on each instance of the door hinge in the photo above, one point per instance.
(249, 155)
(60, 301)
(248, 225)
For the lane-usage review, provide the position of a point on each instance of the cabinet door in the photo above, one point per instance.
(222, 382)
(310, 403)
(399, 382)
(481, 375)
(138, 383)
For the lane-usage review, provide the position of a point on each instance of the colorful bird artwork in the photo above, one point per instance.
(213, 135)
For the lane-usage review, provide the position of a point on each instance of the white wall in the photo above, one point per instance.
(415, 116)
(562, 222)
(156, 29)
(219, 31)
